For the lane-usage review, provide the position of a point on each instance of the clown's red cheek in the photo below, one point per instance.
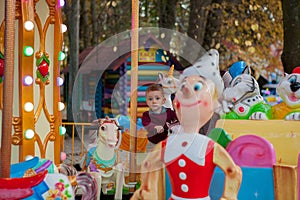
(206, 103)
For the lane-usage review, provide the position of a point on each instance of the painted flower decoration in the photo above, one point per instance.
(60, 186)
(42, 71)
(60, 192)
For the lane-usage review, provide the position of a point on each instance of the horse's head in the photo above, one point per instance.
(168, 81)
(242, 86)
(109, 132)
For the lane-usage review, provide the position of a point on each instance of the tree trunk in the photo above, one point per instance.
(95, 29)
(84, 25)
(291, 50)
(167, 17)
(72, 12)
(198, 18)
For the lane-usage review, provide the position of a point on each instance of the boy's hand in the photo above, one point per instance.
(159, 129)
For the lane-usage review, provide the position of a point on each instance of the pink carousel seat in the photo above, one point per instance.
(256, 157)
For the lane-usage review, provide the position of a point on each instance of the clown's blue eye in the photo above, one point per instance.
(198, 86)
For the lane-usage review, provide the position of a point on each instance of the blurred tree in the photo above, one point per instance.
(167, 16)
(291, 21)
(71, 10)
(85, 29)
(248, 30)
(198, 19)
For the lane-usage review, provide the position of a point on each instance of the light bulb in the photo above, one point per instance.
(61, 106)
(28, 51)
(29, 157)
(59, 81)
(28, 80)
(62, 130)
(63, 28)
(61, 56)
(29, 134)
(28, 106)
(61, 3)
(28, 25)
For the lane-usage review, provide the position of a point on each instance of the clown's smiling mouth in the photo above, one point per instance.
(188, 105)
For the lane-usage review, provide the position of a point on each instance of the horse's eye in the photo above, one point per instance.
(102, 128)
(169, 82)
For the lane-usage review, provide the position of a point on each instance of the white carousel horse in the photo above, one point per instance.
(242, 99)
(169, 84)
(102, 159)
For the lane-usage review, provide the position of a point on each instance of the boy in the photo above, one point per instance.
(155, 120)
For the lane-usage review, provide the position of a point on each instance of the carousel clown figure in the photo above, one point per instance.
(189, 157)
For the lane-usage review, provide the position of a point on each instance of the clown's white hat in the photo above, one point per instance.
(208, 67)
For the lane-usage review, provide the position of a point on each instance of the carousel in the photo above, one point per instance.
(252, 151)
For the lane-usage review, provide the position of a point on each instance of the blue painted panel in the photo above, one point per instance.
(17, 170)
(257, 184)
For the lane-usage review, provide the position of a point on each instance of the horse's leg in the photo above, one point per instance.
(98, 178)
(119, 181)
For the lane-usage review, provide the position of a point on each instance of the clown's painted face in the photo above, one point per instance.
(195, 100)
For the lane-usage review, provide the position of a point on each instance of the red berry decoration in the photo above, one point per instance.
(43, 68)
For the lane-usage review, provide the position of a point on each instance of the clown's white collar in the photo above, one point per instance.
(194, 148)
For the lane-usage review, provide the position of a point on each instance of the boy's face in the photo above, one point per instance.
(155, 100)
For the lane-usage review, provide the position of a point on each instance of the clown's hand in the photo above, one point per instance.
(142, 194)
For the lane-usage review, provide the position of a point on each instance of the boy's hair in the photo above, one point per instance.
(155, 87)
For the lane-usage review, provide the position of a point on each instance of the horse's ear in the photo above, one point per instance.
(247, 70)
(95, 122)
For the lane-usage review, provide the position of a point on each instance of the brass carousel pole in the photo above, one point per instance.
(8, 85)
(133, 86)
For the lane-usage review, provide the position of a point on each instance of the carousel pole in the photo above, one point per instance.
(8, 85)
(133, 86)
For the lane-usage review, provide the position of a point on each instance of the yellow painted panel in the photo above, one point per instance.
(284, 135)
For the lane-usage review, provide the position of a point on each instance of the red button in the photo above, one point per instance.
(241, 109)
